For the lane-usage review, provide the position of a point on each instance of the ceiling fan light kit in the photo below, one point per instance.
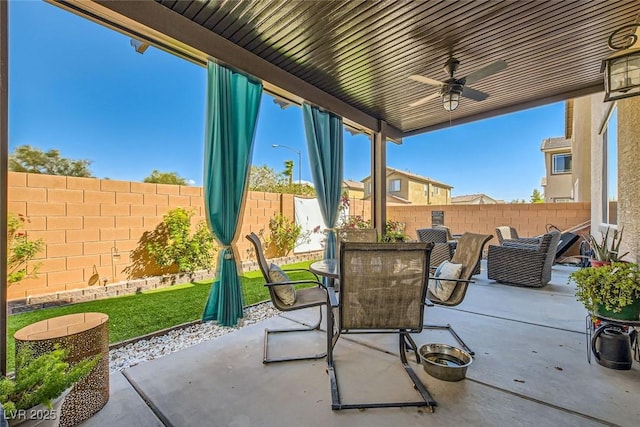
(451, 99)
(453, 88)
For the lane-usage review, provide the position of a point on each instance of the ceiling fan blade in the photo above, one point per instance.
(425, 99)
(427, 80)
(485, 71)
(476, 95)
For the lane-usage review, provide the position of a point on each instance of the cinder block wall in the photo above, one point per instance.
(528, 219)
(82, 220)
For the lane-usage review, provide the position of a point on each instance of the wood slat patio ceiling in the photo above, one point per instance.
(362, 52)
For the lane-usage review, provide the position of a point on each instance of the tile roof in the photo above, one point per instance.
(555, 143)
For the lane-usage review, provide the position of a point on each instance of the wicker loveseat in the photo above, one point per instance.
(523, 264)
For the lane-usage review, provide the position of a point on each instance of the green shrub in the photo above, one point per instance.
(20, 250)
(283, 236)
(41, 379)
(394, 232)
(189, 252)
(614, 286)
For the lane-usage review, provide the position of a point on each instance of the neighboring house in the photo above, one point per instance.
(354, 189)
(557, 185)
(605, 160)
(409, 188)
(474, 199)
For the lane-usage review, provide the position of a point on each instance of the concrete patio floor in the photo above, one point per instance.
(530, 368)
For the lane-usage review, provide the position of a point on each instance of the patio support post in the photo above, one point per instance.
(379, 175)
(4, 153)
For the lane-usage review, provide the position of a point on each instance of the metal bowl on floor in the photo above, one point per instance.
(444, 361)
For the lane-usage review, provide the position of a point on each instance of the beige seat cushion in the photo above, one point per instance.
(285, 293)
(439, 285)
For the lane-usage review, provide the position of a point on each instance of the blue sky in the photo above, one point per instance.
(81, 88)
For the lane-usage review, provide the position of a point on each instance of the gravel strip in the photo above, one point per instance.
(179, 339)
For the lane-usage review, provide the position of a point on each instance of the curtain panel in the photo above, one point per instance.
(324, 134)
(233, 102)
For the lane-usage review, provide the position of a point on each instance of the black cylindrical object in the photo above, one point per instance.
(612, 347)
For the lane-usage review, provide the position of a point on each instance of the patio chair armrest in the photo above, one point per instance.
(295, 282)
(453, 280)
(332, 297)
(287, 270)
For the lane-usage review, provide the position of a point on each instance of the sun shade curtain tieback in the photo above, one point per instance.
(233, 101)
(324, 143)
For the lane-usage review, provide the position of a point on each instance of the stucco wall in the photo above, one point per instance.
(628, 176)
(581, 152)
(416, 192)
(558, 185)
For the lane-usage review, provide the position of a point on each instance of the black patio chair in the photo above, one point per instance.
(285, 297)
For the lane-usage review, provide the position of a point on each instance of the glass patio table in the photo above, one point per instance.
(326, 268)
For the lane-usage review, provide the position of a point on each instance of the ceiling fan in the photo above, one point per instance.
(452, 88)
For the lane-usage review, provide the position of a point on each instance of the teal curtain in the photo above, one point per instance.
(324, 143)
(233, 101)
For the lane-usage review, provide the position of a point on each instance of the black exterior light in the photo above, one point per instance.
(622, 68)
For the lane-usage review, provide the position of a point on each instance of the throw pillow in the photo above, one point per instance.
(285, 293)
(439, 285)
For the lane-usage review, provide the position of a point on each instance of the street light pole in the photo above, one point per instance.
(299, 159)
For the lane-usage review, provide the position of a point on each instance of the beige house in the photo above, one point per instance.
(354, 189)
(557, 184)
(606, 155)
(409, 188)
(474, 199)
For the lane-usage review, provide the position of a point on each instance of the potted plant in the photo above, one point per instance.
(605, 251)
(36, 393)
(394, 232)
(611, 290)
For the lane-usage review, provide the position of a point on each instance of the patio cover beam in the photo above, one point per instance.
(154, 23)
(4, 174)
(379, 179)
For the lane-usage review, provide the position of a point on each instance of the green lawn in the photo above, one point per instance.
(131, 316)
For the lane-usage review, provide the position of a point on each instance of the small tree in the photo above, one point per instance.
(263, 178)
(288, 171)
(33, 160)
(536, 196)
(189, 252)
(20, 251)
(172, 178)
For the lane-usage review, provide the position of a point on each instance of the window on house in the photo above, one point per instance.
(426, 189)
(394, 185)
(610, 145)
(561, 163)
(367, 188)
(436, 190)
